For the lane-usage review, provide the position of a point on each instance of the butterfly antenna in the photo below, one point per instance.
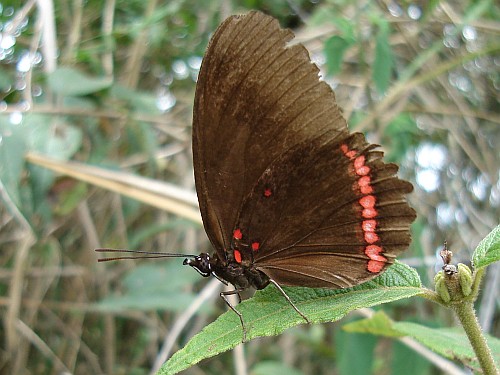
(146, 254)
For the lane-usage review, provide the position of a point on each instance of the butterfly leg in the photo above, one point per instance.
(289, 300)
(224, 297)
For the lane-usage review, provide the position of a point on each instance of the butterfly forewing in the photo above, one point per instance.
(256, 97)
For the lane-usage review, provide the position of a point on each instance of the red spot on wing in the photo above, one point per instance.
(363, 171)
(369, 213)
(369, 225)
(365, 186)
(373, 252)
(267, 192)
(375, 266)
(237, 255)
(364, 181)
(237, 234)
(377, 261)
(360, 167)
(368, 201)
(255, 246)
(366, 189)
(371, 237)
(359, 162)
(351, 154)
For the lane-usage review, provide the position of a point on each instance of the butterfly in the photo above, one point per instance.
(287, 194)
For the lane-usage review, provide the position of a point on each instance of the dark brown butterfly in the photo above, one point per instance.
(287, 195)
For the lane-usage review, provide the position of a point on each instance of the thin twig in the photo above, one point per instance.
(206, 293)
(42, 347)
(442, 363)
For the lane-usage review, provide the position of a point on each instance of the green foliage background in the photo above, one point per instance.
(110, 84)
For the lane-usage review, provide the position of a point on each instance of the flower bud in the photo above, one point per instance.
(465, 279)
(440, 286)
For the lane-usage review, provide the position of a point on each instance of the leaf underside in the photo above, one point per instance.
(488, 250)
(451, 343)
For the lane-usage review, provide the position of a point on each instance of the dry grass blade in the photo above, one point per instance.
(155, 193)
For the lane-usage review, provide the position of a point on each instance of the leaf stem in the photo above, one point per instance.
(467, 316)
(432, 296)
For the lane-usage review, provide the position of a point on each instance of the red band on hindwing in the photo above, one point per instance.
(368, 211)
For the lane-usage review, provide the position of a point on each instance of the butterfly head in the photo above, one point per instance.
(200, 263)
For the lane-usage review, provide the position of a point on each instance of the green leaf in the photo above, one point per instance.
(335, 48)
(273, 368)
(69, 81)
(12, 149)
(488, 250)
(348, 27)
(141, 235)
(451, 343)
(6, 80)
(383, 63)
(69, 199)
(378, 324)
(172, 301)
(159, 278)
(153, 287)
(140, 102)
(476, 9)
(407, 361)
(349, 346)
(269, 314)
(400, 135)
(54, 138)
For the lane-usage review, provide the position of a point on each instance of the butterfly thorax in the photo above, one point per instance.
(241, 276)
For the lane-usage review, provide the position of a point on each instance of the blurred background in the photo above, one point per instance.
(95, 151)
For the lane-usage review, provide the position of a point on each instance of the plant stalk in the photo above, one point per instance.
(467, 316)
